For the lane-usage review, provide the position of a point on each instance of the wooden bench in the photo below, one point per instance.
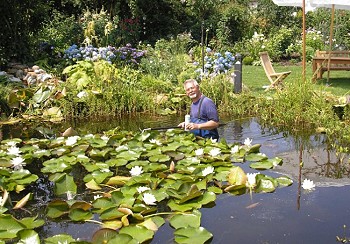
(339, 60)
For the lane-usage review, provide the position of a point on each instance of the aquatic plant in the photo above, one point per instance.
(130, 180)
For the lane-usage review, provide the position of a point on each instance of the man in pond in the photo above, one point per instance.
(204, 118)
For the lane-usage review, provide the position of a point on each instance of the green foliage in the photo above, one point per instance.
(279, 42)
(247, 60)
(99, 88)
(99, 28)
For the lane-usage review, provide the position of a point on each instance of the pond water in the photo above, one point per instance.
(289, 215)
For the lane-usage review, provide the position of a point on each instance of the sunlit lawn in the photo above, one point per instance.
(254, 78)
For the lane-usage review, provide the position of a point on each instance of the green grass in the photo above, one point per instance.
(339, 83)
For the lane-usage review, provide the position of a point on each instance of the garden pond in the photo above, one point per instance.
(286, 215)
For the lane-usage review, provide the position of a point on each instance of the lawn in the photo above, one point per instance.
(254, 78)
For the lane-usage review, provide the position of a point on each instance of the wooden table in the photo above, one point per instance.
(319, 64)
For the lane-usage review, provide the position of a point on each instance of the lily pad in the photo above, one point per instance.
(140, 233)
(192, 235)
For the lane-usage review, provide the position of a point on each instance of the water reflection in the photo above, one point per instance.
(289, 215)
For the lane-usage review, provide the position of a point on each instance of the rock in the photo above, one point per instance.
(20, 74)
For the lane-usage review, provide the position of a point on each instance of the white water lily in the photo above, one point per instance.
(13, 151)
(136, 170)
(251, 180)
(215, 152)
(235, 149)
(199, 152)
(82, 94)
(18, 163)
(141, 189)
(194, 160)
(105, 138)
(155, 141)
(308, 184)
(149, 199)
(213, 140)
(72, 140)
(208, 170)
(248, 142)
(97, 197)
(11, 143)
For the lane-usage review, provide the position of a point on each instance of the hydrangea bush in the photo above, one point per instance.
(121, 55)
(216, 63)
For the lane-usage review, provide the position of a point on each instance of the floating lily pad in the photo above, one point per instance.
(192, 235)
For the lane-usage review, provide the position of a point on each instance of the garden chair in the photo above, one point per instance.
(276, 79)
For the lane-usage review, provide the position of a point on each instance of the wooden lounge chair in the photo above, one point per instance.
(276, 79)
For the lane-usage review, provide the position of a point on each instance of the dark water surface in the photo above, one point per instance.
(289, 215)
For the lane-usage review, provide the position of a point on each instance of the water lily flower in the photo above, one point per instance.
(18, 163)
(155, 141)
(308, 184)
(136, 170)
(199, 152)
(248, 142)
(82, 94)
(105, 138)
(149, 199)
(141, 189)
(215, 152)
(251, 179)
(208, 170)
(97, 197)
(72, 140)
(11, 143)
(13, 151)
(235, 149)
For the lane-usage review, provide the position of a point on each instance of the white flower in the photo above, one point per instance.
(82, 94)
(154, 141)
(72, 140)
(105, 138)
(215, 152)
(235, 149)
(248, 142)
(149, 199)
(136, 170)
(11, 143)
(213, 140)
(251, 179)
(308, 184)
(194, 160)
(142, 189)
(199, 152)
(97, 197)
(208, 170)
(18, 163)
(13, 151)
